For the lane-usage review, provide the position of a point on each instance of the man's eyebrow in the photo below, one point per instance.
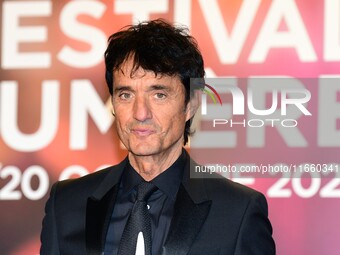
(159, 87)
(118, 88)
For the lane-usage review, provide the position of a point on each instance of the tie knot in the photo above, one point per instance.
(144, 190)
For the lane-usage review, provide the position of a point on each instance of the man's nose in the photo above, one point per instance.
(141, 109)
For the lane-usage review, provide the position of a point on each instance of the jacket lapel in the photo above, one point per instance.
(99, 209)
(191, 210)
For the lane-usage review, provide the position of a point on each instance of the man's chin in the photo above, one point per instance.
(143, 153)
(144, 149)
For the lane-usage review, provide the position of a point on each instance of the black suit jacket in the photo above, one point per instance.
(211, 216)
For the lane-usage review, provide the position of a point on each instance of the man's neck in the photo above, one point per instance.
(151, 166)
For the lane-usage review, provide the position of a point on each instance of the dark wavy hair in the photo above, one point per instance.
(159, 47)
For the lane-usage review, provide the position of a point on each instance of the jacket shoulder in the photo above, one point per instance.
(229, 194)
(226, 186)
(89, 181)
(87, 185)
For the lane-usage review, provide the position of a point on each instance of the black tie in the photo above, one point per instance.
(139, 221)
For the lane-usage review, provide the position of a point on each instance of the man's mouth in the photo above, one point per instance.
(142, 131)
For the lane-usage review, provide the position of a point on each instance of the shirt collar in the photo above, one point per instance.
(168, 181)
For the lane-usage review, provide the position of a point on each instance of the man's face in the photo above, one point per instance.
(150, 111)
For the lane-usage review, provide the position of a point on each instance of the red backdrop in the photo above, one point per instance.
(55, 120)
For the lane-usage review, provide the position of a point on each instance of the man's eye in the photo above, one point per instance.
(160, 96)
(124, 96)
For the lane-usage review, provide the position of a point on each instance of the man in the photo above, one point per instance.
(148, 71)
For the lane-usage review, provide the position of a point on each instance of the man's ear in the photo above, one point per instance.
(193, 104)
